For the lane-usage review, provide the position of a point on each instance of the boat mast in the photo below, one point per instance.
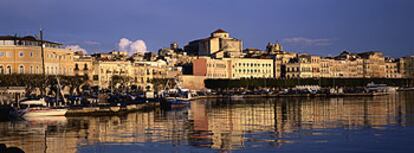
(42, 49)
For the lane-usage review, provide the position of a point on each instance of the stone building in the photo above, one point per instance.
(406, 66)
(23, 55)
(83, 65)
(104, 70)
(274, 48)
(280, 60)
(391, 68)
(143, 72)
(303, 66)
(373, 64)
(250, 68)
(233, 68)
(347, 65)
(211, 68)
(218, 45)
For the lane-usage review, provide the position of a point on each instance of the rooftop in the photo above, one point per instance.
(220, 31)
(26, 38)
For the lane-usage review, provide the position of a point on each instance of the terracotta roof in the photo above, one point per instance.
(220, 31)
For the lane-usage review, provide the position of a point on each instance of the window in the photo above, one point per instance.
(21, 54)
(76, 67)
(37, 70)
(2, 54)
(31, 54)
(21, 69)
(1, 69)
(9, 69)
(31, 70)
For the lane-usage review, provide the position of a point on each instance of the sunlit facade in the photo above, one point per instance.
(23, 55)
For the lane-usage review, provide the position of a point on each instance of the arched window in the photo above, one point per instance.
(31, 69)
(21, 69)
(9, 69)
(1, 69)
(37, 70)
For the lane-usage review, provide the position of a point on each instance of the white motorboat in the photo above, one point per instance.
(38, 107)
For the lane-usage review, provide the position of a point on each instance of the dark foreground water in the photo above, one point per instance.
(363, 125)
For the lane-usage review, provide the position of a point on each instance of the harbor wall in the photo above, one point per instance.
(192, 82)
(289, 83)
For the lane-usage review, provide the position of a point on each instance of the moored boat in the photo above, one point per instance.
(38, 107)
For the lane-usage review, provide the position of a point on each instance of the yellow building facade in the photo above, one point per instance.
(233, 68)
(105, 70)
(250, 68)
(24, 56)
(406, 67)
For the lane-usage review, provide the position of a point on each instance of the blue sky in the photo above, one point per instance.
(323, 27)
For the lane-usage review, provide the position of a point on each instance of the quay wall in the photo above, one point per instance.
(192, 82)
(289, 83)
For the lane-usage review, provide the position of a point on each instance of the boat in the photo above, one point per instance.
(38, 107)
(237, 97)
(176, 95)
(380, 88)
(177, 100)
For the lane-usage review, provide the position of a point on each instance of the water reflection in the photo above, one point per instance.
(218, 124)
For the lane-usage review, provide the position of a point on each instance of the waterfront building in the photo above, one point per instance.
(143, 72)
(218, 45)
(373, 64)
(391, 68)
(104, 70)
(406, 66)
(23, 55)
(250, 68)
(325, 67)
(346, 65)
(211, 68)
(303, 66)
(83, 65)
(233, 68)
(281, 58)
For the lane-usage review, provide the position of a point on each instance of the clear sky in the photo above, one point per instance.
(322, 27)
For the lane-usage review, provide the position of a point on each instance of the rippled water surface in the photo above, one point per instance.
(357, 124)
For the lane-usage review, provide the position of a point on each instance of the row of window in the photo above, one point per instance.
(49, 70)
(22, 54)
(252, 71)
(217, 65)
(297, 69)
(9, 70)
(252, 65)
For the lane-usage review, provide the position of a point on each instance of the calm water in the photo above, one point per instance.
(371, 125)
